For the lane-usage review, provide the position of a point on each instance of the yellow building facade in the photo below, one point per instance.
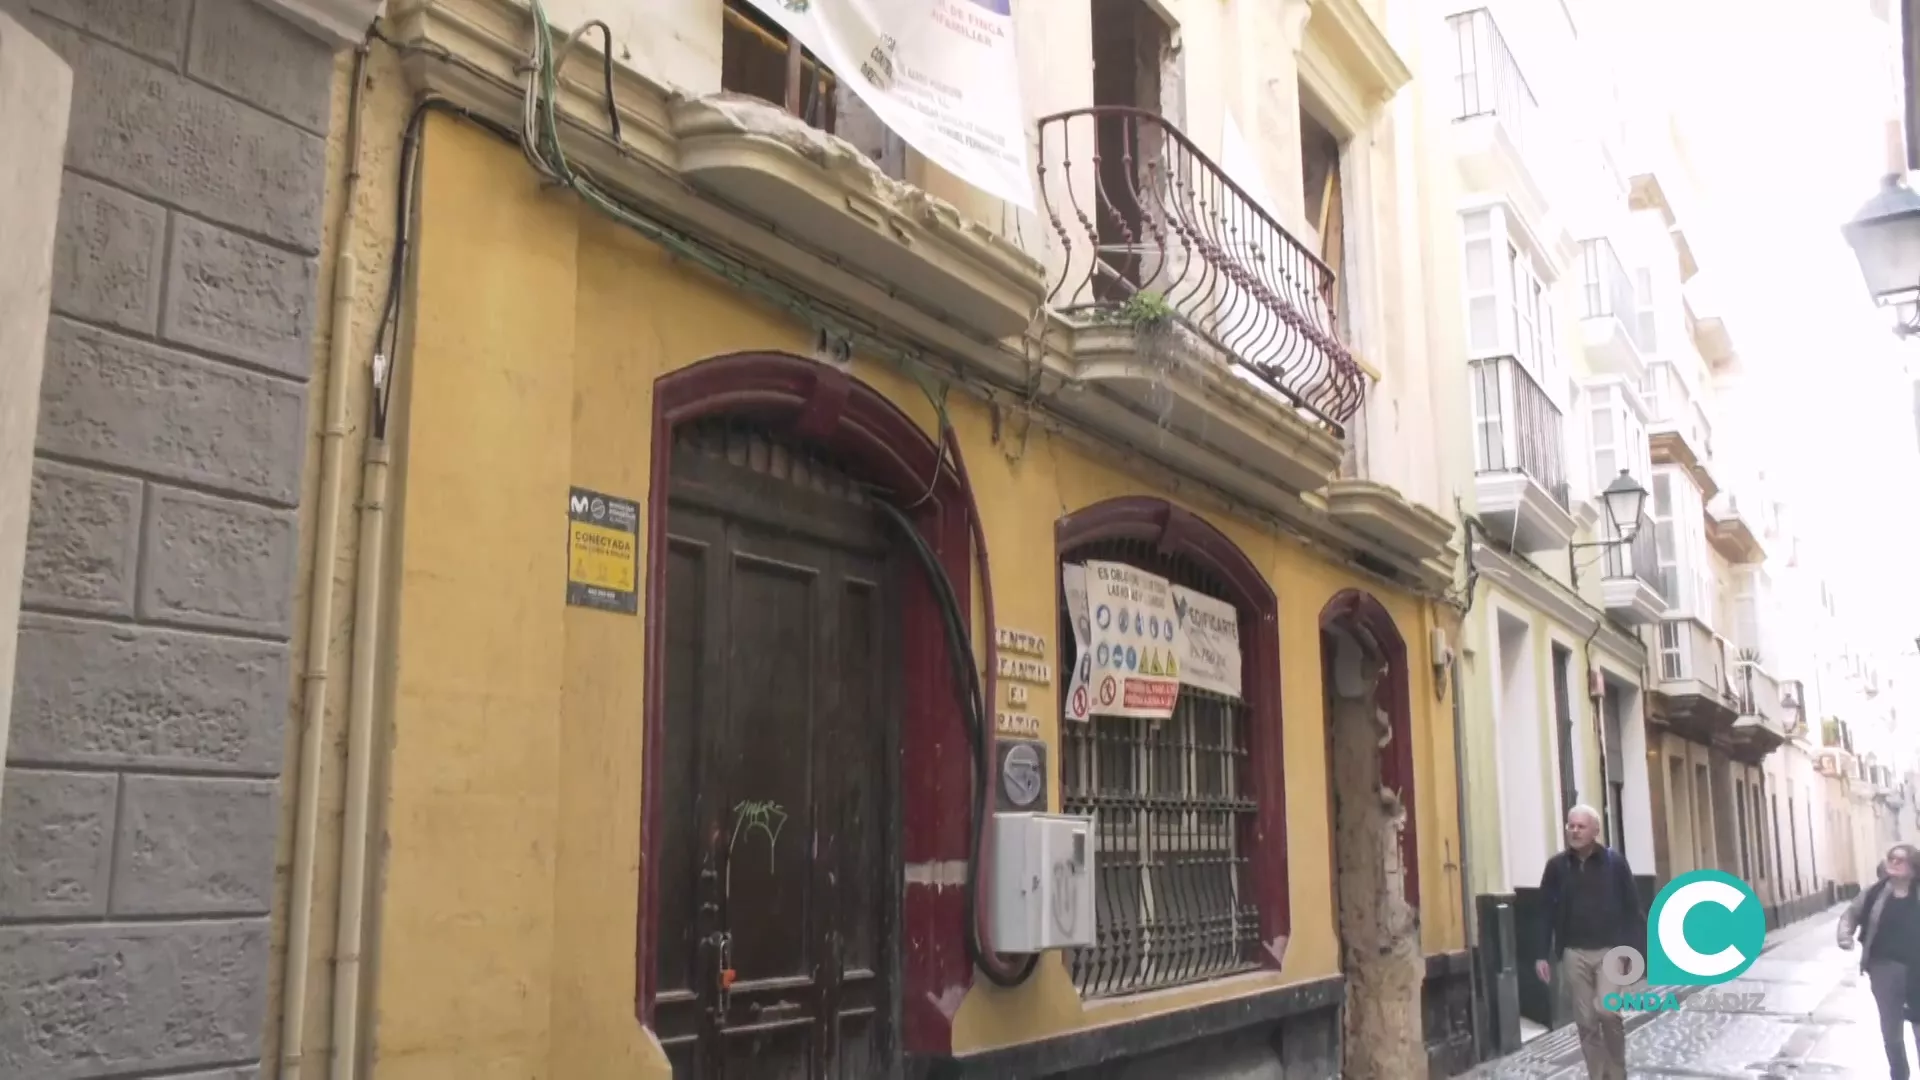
(524, 880)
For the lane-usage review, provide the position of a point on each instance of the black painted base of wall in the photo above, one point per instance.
(1792, 911)
(1446, 1008)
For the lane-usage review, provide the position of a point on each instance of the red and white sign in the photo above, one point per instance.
(1137, 650)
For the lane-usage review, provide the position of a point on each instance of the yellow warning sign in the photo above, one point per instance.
(602, 557)
(603, 552)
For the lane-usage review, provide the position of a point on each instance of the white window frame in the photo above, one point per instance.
(1645, 311)
(1477, 230)
(1668, 554)
(1682, 525)
(1516, 304)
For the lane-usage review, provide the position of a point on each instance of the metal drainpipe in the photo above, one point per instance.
(1467, 913)
(1910, 66)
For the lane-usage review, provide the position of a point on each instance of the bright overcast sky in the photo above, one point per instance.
(1785, 114)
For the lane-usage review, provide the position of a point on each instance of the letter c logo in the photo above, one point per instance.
(1673, 928)
(1724, 912)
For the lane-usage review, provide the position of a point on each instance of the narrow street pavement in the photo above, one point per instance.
(1814, 1018)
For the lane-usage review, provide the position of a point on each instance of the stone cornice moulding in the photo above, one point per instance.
(1346, 59)
(340, 23)
(1524, 583)
(469, 52)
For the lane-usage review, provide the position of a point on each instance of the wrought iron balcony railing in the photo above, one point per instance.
(1637, 558)
(1517, 426)
(1151, 228)
(1487, 80)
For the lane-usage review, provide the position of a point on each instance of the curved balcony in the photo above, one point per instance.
(1151, 232)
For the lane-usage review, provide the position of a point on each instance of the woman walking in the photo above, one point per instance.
(1886, 919)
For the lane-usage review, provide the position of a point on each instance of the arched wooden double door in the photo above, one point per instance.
(778, 838)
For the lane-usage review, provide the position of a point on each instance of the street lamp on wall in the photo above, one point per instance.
(1885, 237)
(1625, 503)
(1624, 500)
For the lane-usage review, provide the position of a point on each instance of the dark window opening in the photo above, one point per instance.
(760, 59)
(1130, 44)
(1740, 825)
(1175, 814)
(1563, 715)
(1324, 188)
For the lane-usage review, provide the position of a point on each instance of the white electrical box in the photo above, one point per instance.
(1042, 882)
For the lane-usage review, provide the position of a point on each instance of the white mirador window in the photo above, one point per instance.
(1532, 313)
(1687, 580)
(1750, 594)
(1617, 430)
(1482, 286)
(1645, 322)
(1509, 298)
(1665, 543)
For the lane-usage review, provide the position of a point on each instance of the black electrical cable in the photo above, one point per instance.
(972, 705)
(386, 335)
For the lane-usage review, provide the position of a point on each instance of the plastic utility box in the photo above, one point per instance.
(1042, 882)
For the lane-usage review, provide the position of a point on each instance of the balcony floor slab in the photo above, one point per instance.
(1515, 506)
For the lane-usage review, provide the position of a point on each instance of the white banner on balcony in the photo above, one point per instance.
(941, 73)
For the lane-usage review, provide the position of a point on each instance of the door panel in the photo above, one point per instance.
(776, 873)
(773, 690)
(691, 696)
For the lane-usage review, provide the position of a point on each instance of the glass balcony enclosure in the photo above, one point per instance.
(1675, 410)
(1688, 582)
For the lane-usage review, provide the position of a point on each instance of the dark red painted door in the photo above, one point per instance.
(776, 926)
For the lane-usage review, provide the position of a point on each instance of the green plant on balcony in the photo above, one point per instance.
(1146, 310)
(1830, 732)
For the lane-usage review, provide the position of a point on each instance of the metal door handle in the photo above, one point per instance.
(779, 1010)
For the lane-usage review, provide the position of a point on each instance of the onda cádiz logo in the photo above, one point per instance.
(1706, 928)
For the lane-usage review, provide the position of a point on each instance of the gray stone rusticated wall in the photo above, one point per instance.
(137, 829)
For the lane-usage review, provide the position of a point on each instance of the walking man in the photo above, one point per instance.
(1592, 906)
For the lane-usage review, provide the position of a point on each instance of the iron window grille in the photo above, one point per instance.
(1174, 815)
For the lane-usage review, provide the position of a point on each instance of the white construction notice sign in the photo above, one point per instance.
(1137, 651)
(1210, 635)
(941, 73)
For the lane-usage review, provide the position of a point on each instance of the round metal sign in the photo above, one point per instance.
(1020, 774)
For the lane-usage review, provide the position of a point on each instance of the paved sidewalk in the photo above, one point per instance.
(1815, 1018)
